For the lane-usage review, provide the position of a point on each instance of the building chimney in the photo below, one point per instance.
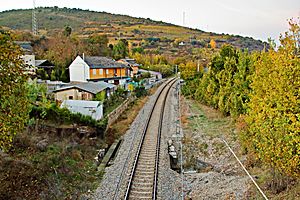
(83, 56)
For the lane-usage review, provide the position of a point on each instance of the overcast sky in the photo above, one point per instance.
(259, 19)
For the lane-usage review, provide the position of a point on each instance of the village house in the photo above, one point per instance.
(52, 85)
(95, 68)
(132, 64)
(32, 65)
(93, 109)
(84, 91)
(45, 65)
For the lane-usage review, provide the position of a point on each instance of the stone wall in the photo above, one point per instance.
(114, 115)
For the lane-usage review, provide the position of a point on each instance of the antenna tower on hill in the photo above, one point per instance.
(34, 21)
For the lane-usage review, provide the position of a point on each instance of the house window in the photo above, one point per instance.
(84, 96)
(101, 71)
(70, 97)
(94, 71)
(106, 71)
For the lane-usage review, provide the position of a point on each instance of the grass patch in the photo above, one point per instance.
(209, 120)
(213, 124)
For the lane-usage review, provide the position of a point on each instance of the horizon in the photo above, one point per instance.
(261, 22)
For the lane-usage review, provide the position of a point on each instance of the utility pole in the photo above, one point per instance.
(183, 19)
(34, 20)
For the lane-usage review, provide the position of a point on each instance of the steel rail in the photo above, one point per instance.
(117, 190)
(154, 193)
(142, 141)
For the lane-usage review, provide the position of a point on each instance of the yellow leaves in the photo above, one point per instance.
(188, 70)
(13, 99)
(274, 107)
(213, 44)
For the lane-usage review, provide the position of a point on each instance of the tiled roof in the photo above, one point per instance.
(102, 62)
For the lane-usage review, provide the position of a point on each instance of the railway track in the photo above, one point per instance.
(142, 183)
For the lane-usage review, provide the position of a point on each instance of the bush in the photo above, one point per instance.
(140, 91)
(63, 115)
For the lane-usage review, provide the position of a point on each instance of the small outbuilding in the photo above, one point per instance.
(93, 109)
(84, 91)
(155, 75)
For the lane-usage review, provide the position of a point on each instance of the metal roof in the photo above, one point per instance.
(131, 62)
(82, 103)
(43, 63)
(89, 108)
(90, 87)
(151, 72)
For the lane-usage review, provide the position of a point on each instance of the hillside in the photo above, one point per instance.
(152, 35)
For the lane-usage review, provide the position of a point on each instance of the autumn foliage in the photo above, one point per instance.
(274, 109)
(13, 94)
(263, 89)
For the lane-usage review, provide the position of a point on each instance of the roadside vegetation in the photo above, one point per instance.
(259, 90)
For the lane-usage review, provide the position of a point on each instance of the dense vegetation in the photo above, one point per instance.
(13, 94)
(261, 91)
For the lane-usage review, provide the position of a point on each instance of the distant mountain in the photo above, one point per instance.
(151, 35)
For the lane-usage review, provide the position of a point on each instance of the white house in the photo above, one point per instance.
(96, 68)
(79, 70)
(93, 109)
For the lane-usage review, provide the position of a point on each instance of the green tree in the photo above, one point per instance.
(67, 31)
(120, 50)
(97, 45)
(13, 93)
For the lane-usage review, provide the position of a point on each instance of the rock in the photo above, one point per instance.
(201, 164)
(171, 148)
(42, 145)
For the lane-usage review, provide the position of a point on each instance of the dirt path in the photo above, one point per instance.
(216, 173)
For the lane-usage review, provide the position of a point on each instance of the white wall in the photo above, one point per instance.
(29, 59)
(79, 70)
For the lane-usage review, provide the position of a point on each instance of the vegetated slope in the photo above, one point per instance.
(57, 18)
(152, 35)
